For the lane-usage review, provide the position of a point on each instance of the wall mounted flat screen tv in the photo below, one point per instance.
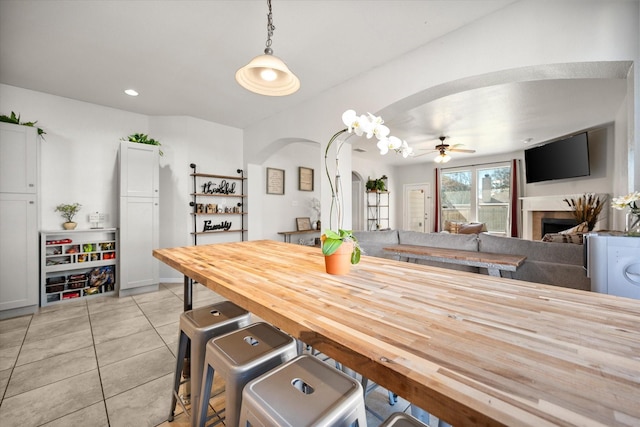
(565, 158)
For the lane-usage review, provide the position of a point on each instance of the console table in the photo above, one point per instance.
(499, 265)
(287, 234)
(469, 348)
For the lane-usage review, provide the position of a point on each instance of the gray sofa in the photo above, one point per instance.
(559, 264)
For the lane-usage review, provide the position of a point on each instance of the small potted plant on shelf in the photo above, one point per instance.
(142, 138)
(15, 119)
(68, 212)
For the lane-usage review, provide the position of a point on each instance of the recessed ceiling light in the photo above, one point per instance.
(528, 140)
(131, 92)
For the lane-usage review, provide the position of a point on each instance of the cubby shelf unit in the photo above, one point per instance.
(77, 264)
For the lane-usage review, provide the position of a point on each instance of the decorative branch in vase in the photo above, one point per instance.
(370, 126)
(586, 209)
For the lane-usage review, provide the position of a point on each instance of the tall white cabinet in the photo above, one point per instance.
(139, 217)
(19, 199)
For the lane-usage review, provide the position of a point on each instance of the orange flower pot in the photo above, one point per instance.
(339, 262)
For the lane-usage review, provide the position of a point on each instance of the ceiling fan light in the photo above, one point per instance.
(442, 158)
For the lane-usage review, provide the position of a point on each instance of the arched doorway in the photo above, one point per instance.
(357, 201)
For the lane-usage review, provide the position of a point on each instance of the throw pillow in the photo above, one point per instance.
(472, 228)
(562, 238)
(578, 229)
(451, 226)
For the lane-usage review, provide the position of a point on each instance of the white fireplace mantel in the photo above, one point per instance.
(550, 203)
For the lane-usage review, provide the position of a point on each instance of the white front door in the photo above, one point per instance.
(417, 207)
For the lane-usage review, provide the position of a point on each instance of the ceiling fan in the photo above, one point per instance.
(444, 149)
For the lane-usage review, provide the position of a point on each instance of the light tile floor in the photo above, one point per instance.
(107, 361)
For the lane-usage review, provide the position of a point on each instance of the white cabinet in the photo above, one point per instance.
(19, 201)
(139, 170)
(77, 264)
(18, 251)
(139, 217)
(18, 159)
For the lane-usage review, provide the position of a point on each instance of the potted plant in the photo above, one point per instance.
(334, 240)
(16, 121)
(68, 212)
(142, 138)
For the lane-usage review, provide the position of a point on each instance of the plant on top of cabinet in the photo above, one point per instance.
(142, 138)
(16, 121)
(68, 212)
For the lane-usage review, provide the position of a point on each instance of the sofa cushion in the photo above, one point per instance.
(534, 250)
(372, 242)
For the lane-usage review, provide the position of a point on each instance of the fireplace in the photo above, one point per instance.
(537, 207)
(556, 225)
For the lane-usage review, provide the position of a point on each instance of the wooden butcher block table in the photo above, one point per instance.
(471, 349)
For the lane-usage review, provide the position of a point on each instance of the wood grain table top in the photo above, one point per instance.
(471, 349)
(483, 259)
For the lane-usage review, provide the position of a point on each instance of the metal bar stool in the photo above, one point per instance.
(400, 419)
(196, 328)
(239, 357)
(303, 392)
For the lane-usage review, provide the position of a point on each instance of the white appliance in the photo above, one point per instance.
(613, 264)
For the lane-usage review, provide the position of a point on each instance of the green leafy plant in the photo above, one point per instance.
(333, 240)
(376, 184)
(68, 211)
(16, 121)
(142, 138)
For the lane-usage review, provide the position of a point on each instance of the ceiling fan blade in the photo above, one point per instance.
(461, 150)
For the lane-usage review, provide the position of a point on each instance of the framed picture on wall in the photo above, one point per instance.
(275, 181)
(303, 224)
(305, 179)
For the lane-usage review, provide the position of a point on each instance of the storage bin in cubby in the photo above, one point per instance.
(77, 285)
(69, 295)
(54, 288)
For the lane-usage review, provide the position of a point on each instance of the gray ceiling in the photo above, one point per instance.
(182, 56)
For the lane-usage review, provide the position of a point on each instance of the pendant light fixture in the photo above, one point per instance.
(267, 74)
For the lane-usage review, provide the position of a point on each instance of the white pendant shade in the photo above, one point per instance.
(268, 75)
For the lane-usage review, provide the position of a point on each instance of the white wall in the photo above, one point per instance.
(79, 159)
(525, 34)
(279, 212)
(79, 152)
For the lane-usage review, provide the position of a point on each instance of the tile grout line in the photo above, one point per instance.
(95, 352)
(15, 363)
